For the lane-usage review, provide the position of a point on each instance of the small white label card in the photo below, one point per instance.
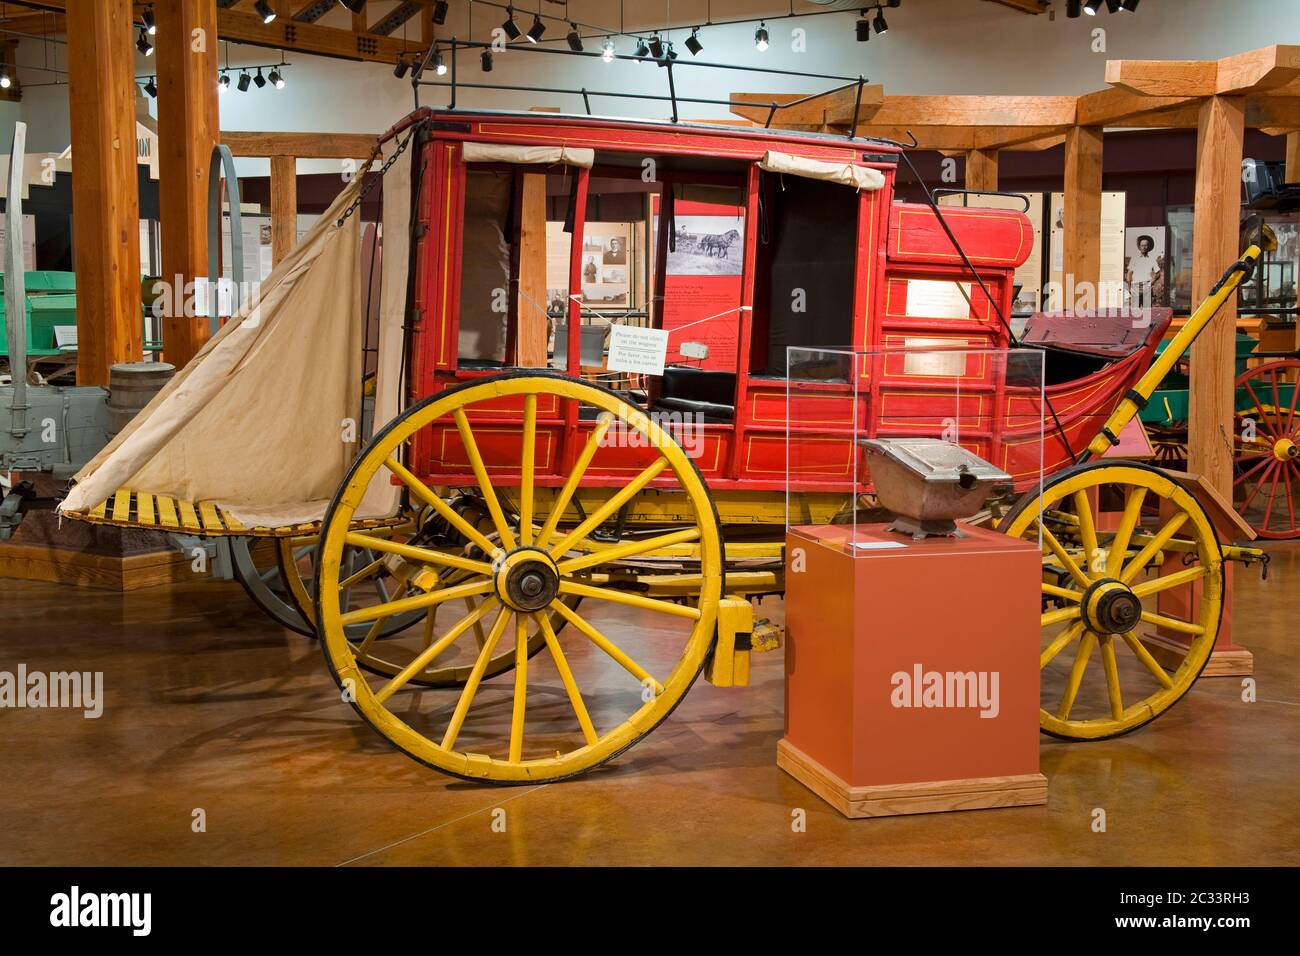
(638, 350)
(938, 299)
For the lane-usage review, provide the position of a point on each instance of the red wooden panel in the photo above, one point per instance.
(991, 237)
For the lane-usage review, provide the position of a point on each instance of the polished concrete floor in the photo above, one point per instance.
(211, 707)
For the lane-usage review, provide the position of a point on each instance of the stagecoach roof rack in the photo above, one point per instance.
(454, 85)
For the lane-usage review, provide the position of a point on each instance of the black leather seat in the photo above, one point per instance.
(698, 391)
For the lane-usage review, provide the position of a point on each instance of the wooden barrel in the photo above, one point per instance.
(131, 386)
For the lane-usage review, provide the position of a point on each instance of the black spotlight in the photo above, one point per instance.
(575, 41)
(260, 80)
(693, 42)
(537, 29)
(439, 67)
(879, 23)
(669, 55)
(863, 28)
(1073, 8)
(244, 80)
(151, 88)
(1091, 7)
(641, 48)
(511, 28)
(440, 12)
(1112, 6)
(143, 44)
(1129, 5)
(760, 37)
(264, 11)
(486, 61)
(399, 71)
(656, 47)
(356, 6)
(150, 24)
(277, 79)
(223, 84)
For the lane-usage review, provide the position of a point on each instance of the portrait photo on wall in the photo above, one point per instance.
(1146, 266)
(605, 262)
(707, 246)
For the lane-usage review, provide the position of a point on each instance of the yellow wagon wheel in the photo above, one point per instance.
(626, 660)
(1104, 594)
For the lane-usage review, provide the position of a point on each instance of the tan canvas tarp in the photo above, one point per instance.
(547, 155)
(257, 421)
(859, 177)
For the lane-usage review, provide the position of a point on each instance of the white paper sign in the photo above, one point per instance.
(638, 350)
(938, 299)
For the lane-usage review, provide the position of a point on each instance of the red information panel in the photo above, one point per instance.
(702, 284)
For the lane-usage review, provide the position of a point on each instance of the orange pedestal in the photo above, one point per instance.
(912, 670)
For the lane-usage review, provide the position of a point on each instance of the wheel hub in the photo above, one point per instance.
(1285, 449)
(527, 580)
(1111, 607)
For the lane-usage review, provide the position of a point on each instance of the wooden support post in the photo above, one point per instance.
(284, 206)
(186, 51)
(1082, 252)
(982, 170)
(531, 335)
(1216, 232)
(1293, 157)
(105, 197)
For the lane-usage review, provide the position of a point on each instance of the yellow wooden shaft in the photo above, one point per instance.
(575, 477)
(606, 510)
(1060, 643)
(1111, 667)
(475, 676)
(1135, 566)
(627, 550)
(521, 686)
(1164, 583)
(422, 555)
(1064, 557)
(1127, 409)
(1081, 656)
(426, 657)
(1063, 614)
(630, 599)
(566, 677)
(484, 482)
(1141, 653)
(418, 602)
(526, 470)
(608, 646)
(1183, 627)
(425, 494)
(1124, 533)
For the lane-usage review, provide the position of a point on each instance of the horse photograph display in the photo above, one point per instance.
(707, 246)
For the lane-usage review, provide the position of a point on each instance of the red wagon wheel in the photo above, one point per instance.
(1267, 483)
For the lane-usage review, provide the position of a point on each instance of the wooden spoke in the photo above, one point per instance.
(1063, 556)
(608, 646)
(361, 575)
(1141, 653)
(364, 647)
(475, 676)
(628, 598)
(425, 494)
(1143, 557)
(416, 603)
(1111, 669)
(1080, 665)
(1087, 528)
(575, 478)
(606, 510)
(521, 686)
(566, 677)
(1266, 458)
(1172, 623)
(427, 656)
(1064, 593)
(617, 553)
(1124, 533)
(484, 482)
(480, 635)
(1263, 421)
(430, 618)
(526, 470)
(1259, 485)
(1272, 494)
(1071, 613)
(423, 555)
(1169, 581)
(1059, 643)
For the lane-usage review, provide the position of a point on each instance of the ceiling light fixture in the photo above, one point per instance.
(277, 79)
(439, 65)
(399, 71)
(656, 47)
(641, 49)
(356, 6)
(260, 80)
(1112, 6)
(879, 23)
(223, 84)
(1129, 5)
(5, 80)
(760, 37)
(862, 28)
(1073, 8)
(1091, 7)
(244, 80)
(537, 29)
(151, 87)
(150, 24)
(440, 12)
(486, 61)
(143, 44)
(607, 50)
(574, 39)
(264, 10)
(512, 29)
(693, 42)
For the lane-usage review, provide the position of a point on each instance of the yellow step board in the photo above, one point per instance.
(139, 509)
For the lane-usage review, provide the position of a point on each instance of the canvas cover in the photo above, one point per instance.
(256, 422)
(847, 174)
(546, 155)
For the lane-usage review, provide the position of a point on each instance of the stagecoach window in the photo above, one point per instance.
(809, 253)
(485, 266)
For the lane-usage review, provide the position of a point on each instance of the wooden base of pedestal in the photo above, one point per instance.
(1223, 662)
(896, 799)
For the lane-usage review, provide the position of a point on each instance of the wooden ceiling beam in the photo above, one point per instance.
(301, 37)
(1024, 6)
(301, 145)
(1259, 71)
(1164, 77)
